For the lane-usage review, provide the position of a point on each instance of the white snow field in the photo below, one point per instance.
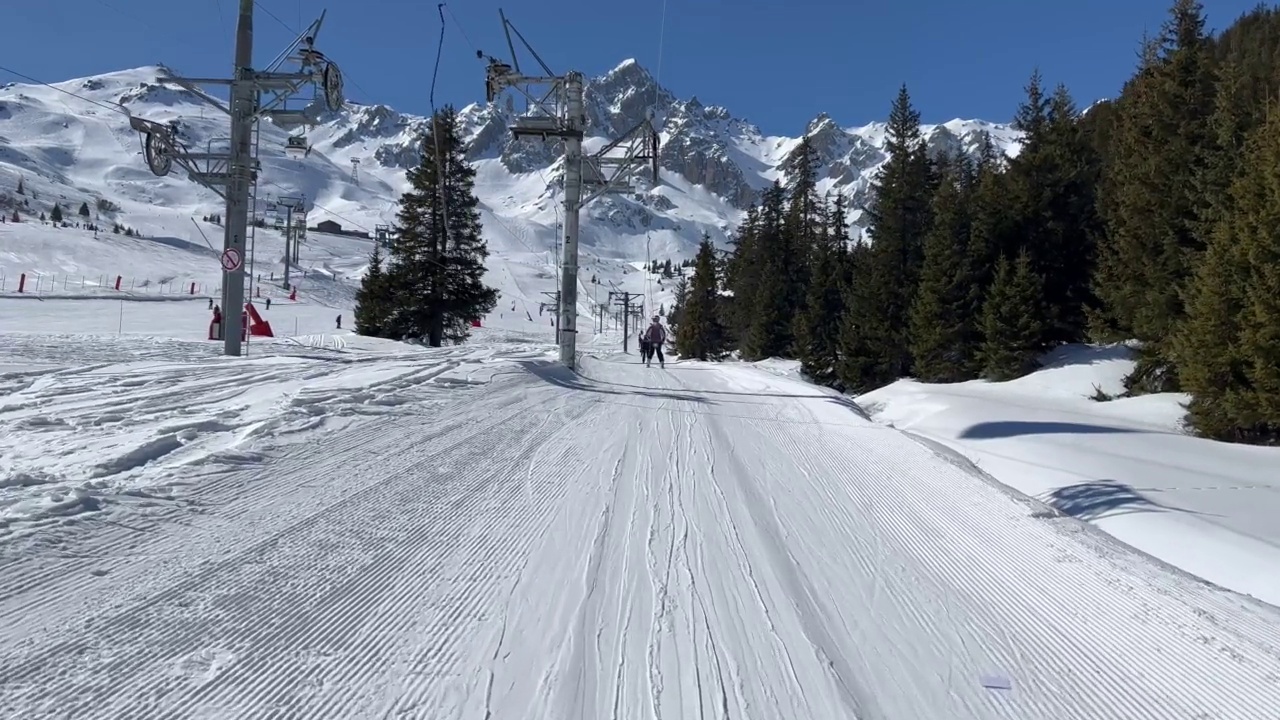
(339, 527)
(373, 531)
(1125, 465)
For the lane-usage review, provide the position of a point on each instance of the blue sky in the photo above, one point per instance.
(778, 64)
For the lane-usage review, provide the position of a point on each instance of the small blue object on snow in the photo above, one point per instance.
(996, 682)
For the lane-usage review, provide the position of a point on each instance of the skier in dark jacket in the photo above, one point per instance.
(645, 352)
(656, 335)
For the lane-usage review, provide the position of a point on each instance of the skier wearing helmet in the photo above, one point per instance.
(656, 335)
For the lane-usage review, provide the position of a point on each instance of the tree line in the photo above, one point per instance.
(1148, 218)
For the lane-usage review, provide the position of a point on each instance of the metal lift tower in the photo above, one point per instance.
(233, 174)
(557, 114)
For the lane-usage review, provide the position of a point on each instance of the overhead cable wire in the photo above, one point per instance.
(118, 108)
(657, 85)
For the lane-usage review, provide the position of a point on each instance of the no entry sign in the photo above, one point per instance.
(231, 259)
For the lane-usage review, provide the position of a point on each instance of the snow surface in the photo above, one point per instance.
(342, 527)
(475, 531)
(1125, 465)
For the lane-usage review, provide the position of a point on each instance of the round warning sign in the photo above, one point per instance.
(231, 259)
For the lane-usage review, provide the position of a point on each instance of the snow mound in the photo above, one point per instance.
(1125, 465)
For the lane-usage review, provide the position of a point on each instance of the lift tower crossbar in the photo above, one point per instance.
(557, 114)
(233, 173)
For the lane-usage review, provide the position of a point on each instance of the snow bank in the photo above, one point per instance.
(1125, 465)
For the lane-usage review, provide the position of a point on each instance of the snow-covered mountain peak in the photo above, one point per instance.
(713, 163)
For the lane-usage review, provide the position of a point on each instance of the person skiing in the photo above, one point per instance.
(644, 348)
(656, 335)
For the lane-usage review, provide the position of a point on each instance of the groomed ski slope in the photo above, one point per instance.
(695, 542)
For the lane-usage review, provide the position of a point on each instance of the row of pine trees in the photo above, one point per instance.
(1151, 217)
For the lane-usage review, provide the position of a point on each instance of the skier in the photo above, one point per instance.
(645, 352)
(656, 335)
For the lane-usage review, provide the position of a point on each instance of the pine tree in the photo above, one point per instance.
(15, 217)
(1011, 320)
(680, 293)
(1051, 203)
(55, 214)
(769, 309)
(804, 224)
(22, 189)
(701, 334)
(1207, 349)
(436, 270)
(1229, 349)
(817, 327)
(373, 299)
(945, 315)
(84, 209)
(742, 269)
(1228, 126)
(991, 231)
(1155, 212)
(875, 349)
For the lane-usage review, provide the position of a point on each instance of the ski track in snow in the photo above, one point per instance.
(695, 542)
(120, 431)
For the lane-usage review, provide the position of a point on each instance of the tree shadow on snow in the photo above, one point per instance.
(563, 377)
(1105, 498)
(1098, 499)
(1015, 428)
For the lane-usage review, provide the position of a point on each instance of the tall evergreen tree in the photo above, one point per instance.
(767, 331)
(84, 209)
(1228, 127)
(681, 294)
(1211, 366)
(1157, 216)
(875, 349)
(945, 314)
(55, 215)
(1229, 350)
(817, 327)
(742, 272)
(805, 221)
(436, 268)
(1011, 320)
(374, 302)
(990, 221)
(1051, 196)
(701, 334)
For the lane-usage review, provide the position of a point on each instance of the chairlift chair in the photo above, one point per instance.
(296, 146)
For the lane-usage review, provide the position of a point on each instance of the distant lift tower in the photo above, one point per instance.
(291, 221)
(233, 173)
(558, 115)
(355, 171)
